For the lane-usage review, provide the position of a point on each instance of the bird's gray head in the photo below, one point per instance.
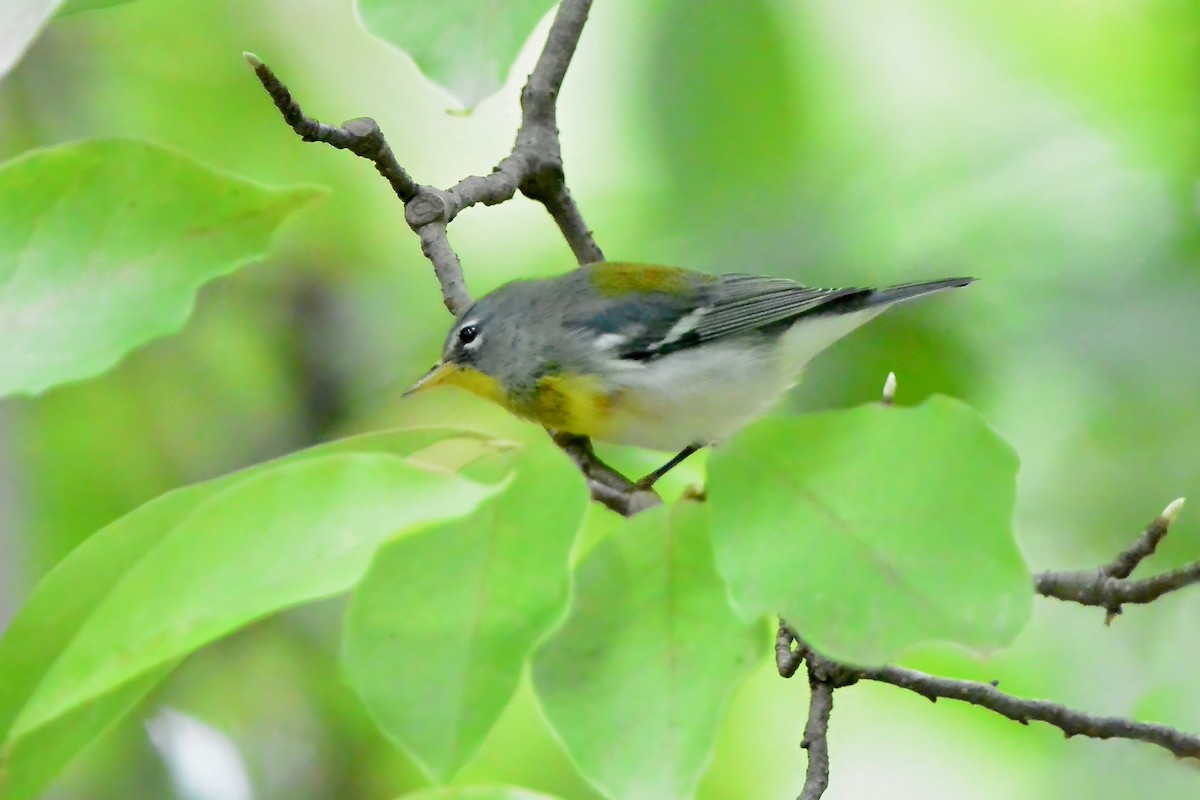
(489, 349)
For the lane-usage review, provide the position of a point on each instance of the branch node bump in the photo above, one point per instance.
(427, 207)
(787, 658)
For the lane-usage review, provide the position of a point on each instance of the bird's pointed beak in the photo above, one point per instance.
(441, 373)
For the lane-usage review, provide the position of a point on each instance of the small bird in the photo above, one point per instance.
(653, 356)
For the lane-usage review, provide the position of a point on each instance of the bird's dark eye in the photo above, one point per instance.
(468, 333)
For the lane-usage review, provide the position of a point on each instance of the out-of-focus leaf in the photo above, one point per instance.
(873, 528)
(20, 23)
(465, 46)
(64, 605)
(439, 630)
(1129, 69)
(929, 357)
(28, 764)
(477, 793)
(103, 246)
(636, 680)
(729, 125)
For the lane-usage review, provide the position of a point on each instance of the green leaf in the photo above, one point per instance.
(1140, 92)
(636, 681)
(732, 121)
(29, 763)
(873, 528)
(62, 605)
(20, 23)
(297, 533)
(439, 630)
(103, 246)
(477, 793)
(465, 46)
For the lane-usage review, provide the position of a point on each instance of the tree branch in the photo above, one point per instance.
(1109, 586)
(360, 136)
(825, 675)
(537, 138)
(787, 657)
(534, 167)
(816, 736)
(1126, 562)
(1070, 722)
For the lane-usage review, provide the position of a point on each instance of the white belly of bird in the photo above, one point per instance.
(703, 395)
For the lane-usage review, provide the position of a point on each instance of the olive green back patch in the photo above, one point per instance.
(617, 279)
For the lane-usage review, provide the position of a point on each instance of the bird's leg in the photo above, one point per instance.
(652, 478)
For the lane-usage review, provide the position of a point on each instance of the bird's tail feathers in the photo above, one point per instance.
(907, 291)
(815, 331)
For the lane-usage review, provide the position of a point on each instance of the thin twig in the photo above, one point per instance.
(608, 486)
(787, 658)
(1091, 588)
(1070, 722)
(425, 208)
(829, 675)
(537, 138)
(1109, 587)
(1126, 562)
(360, 136)
(534, 167)
(816, 737)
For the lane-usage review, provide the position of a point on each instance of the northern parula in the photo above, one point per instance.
(653, 356)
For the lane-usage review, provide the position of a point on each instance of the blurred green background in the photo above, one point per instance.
(1052, 151)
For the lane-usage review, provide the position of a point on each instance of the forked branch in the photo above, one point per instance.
(534, 167)
(1107, 587)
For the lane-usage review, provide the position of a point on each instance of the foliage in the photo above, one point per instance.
(637, 678)
(466, 548)
(194, 565)
(439, 630)
(463, 46)
(877, 502)
(104, 246)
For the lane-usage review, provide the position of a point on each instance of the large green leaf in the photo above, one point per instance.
(103, 245)
(465, 46)
(873, 528)
(636, 680)
(477, 793)
(63, 603)
(439, 630)
(297, 533)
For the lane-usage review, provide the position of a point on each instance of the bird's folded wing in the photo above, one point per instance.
(736, 304)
